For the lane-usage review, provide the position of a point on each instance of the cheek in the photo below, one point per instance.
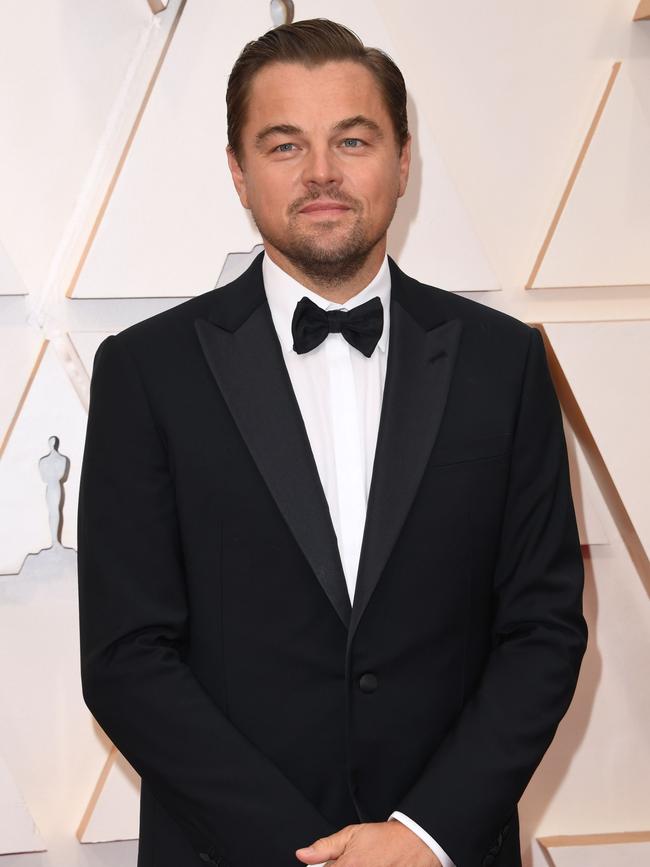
(379, 201)
(258, 184)
(377, 190)
(272, 193)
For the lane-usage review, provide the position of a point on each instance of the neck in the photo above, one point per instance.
(333, 290)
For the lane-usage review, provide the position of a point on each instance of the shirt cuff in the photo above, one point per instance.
(437, 850)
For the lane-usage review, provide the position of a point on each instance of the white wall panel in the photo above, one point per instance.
(607, 365)
(18, 831)
(593, 779)
(61, 67)
(631, 853)
(51, 744)
(511, 89)
(174, 214)
(19, 352)
(602, 235)
(587, 499)
(10, 280)
(51, 407)
(114, 810)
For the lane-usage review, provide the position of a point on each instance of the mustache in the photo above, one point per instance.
(333, 197)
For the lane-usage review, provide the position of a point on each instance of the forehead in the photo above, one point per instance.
(313, 96)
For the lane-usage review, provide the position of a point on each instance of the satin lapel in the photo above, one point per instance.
(419, 367)
(244, 354)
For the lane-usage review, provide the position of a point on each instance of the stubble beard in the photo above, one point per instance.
(328, 265)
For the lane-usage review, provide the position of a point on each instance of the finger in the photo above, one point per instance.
(324, 848)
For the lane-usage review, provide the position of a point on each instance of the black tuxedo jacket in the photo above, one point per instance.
(219, 649)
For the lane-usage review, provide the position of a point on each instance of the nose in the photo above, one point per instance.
(321, 167)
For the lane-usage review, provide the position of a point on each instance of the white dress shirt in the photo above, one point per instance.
(339, 392)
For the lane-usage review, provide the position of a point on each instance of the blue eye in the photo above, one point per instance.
(352, 139)
(284, 145)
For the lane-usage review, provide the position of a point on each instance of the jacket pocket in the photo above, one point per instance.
(464, 450)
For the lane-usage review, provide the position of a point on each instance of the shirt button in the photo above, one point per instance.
(368, 682)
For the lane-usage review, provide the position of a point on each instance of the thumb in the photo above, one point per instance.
(324, 849)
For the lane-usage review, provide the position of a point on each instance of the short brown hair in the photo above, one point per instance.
(312, 42)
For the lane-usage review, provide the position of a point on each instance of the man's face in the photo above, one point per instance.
(320, 167)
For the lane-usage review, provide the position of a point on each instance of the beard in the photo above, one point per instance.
(325, 261)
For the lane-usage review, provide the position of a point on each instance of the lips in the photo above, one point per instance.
(323, 206)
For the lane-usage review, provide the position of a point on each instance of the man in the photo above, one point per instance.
(316, 608)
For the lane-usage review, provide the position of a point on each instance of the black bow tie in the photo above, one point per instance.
(362, 326)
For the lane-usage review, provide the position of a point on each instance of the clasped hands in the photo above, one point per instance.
(370, 844)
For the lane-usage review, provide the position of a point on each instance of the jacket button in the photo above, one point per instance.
(368, 682)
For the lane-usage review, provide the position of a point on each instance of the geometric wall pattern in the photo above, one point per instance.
(643, 11)
(24, 519)
(598, 850)
(10, 281)
(618, 353)
(587, 497)
(146, 215)
(18, 832)
(112, 812)
(605, 194)
(186, 181)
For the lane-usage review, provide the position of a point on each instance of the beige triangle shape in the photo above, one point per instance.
(126, 128)
(599, 396)
(643, 11)
(599, 234)
(18, 831)
(113, 812)
(21, 353)
(11, 282)
(598, 850)
(587, 499)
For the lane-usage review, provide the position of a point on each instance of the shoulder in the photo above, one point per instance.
(431, 305)
(172, 332)
(167, 325)
(161, 351)
(494, 347)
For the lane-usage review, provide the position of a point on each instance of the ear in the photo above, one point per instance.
(238, 176)
(404, 166)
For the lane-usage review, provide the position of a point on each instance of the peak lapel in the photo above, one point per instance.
(422, 351)
(244, 354)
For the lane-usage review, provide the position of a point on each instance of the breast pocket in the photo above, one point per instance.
(466, 450)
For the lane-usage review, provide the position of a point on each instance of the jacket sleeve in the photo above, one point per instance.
(230, 799)
(469, 788)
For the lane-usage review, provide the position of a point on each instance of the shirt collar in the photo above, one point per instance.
(283, 293)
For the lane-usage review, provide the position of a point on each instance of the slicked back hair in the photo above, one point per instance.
(312, 43)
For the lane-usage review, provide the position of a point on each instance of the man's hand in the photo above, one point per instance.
(371, 844)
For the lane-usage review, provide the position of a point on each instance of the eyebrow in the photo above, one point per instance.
(342, 126)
